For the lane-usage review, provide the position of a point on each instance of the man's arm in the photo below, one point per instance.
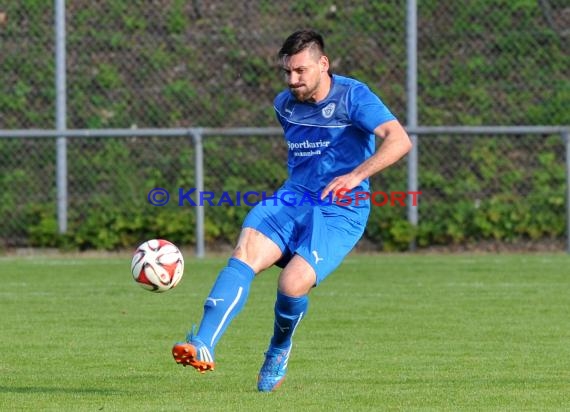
(395, 145)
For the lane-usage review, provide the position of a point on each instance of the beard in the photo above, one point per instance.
(303, 92)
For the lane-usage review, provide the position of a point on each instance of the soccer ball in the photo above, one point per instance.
(157, 265)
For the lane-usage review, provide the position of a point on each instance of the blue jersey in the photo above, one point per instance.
(330, 138)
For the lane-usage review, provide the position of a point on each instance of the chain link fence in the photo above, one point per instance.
(165, 64)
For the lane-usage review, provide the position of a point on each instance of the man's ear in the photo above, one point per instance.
(324, 63)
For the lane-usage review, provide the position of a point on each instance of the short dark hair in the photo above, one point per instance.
(301, 40)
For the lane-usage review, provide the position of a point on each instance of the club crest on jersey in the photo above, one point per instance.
(328, 110)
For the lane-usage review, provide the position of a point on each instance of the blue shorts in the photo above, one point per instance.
(318, 233)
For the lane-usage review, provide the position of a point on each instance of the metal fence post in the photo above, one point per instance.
(412, 92)
(566, 138)
(199, 172)
(61, 115)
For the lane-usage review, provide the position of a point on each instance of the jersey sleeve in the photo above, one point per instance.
(367, 111)
(279, 107)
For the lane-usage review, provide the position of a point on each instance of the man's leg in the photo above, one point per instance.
(227, 298)
(323, 244)
(291, 305)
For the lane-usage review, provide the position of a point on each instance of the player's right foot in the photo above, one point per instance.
(195, 354)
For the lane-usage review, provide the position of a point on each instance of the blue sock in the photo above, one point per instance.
(288, 314)
(226, 299)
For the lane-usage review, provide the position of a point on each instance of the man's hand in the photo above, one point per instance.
(345, 182)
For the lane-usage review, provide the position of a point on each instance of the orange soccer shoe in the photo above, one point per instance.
(195, 354)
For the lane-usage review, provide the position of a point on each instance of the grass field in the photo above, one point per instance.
(386, 332)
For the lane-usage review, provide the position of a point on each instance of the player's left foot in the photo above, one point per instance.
(274, 368)
(195, 354)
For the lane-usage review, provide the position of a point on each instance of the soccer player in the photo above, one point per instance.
(330, 124)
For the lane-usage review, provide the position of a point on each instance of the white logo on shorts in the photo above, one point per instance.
(317, 258)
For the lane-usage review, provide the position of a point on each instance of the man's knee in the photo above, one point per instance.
(256, 250)
(297, 278)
